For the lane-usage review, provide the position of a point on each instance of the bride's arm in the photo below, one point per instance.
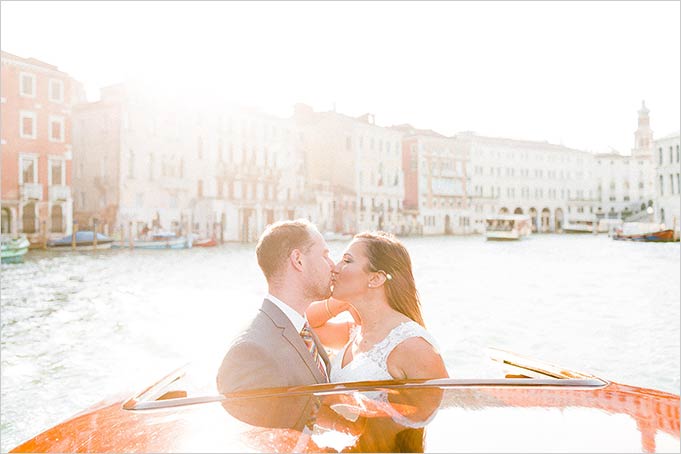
(331, 334)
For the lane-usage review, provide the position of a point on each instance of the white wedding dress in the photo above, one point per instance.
(373, 365)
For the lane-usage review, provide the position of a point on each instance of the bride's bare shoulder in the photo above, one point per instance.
(415, 357)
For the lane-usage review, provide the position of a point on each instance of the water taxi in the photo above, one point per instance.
(533, 407)
(581, 224)
(507, 226)
(13, 249)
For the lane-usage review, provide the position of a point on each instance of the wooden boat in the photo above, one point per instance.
(205, 242)
(507, 227)
(84, 242)
(13, 249)
(661, 236)
(159, 240)
(535, 407)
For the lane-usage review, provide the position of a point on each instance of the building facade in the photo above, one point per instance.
(668, 181)
(625, 183)
(155, 160)
(436, 181)
(36, 102)
(360, 165)
(550, 183)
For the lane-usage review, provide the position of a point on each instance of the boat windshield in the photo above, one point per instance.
(195, 383)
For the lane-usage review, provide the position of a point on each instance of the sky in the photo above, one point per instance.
(571, 73)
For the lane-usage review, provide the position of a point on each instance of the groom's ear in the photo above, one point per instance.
(296, 259)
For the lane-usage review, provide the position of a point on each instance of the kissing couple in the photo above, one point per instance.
(285, 344)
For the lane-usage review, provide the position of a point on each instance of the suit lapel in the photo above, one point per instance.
(289, 332)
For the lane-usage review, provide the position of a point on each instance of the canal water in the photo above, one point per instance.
(78, 327)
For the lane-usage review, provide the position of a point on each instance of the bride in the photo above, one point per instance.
(387, 338)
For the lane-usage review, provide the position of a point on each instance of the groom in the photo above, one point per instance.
(278, 349)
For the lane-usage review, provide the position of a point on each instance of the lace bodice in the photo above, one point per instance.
(373, 364)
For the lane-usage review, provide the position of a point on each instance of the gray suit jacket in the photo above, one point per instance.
(270, 353)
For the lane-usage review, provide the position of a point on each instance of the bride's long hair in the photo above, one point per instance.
(386, 253)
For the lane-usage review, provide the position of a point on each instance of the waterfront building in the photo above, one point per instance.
(260, 177)
(624, 186)
(360, 164)
(550, 183)
(145, 158)
(436, 180)
(668, 181)
(625, 183)
(36, 100)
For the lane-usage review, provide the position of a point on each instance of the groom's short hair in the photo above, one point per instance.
(278, 241)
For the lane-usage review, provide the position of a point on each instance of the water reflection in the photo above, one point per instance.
(391, 420)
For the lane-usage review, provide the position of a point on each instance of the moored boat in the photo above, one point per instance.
(158, 240)
(205, 242)
(581, 224)
(507, 227)
(84, 241)
(660, 236)
(13, 249)
(644, 232)
(335, 236)
(535, 407)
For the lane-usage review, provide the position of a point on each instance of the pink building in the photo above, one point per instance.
(36, 100)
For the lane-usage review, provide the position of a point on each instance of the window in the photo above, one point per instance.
(56, 129)
(27, 85)
(660, 153)
(661, 185)
(199, 189)
(57, 173)
(56, 90)
(29, 170)
(671, 154)
(27, 124)
(671, 183)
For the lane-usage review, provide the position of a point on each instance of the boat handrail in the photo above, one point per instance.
(382, 385)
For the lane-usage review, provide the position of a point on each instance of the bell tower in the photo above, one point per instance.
(643, 137)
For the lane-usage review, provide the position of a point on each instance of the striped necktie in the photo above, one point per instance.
(306, 334)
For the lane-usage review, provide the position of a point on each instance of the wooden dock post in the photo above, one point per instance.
(94, 234)
(73, 236)
(130, 239)
(44, 234)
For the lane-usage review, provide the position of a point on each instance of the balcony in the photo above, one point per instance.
(59, 193)
(31, 191)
